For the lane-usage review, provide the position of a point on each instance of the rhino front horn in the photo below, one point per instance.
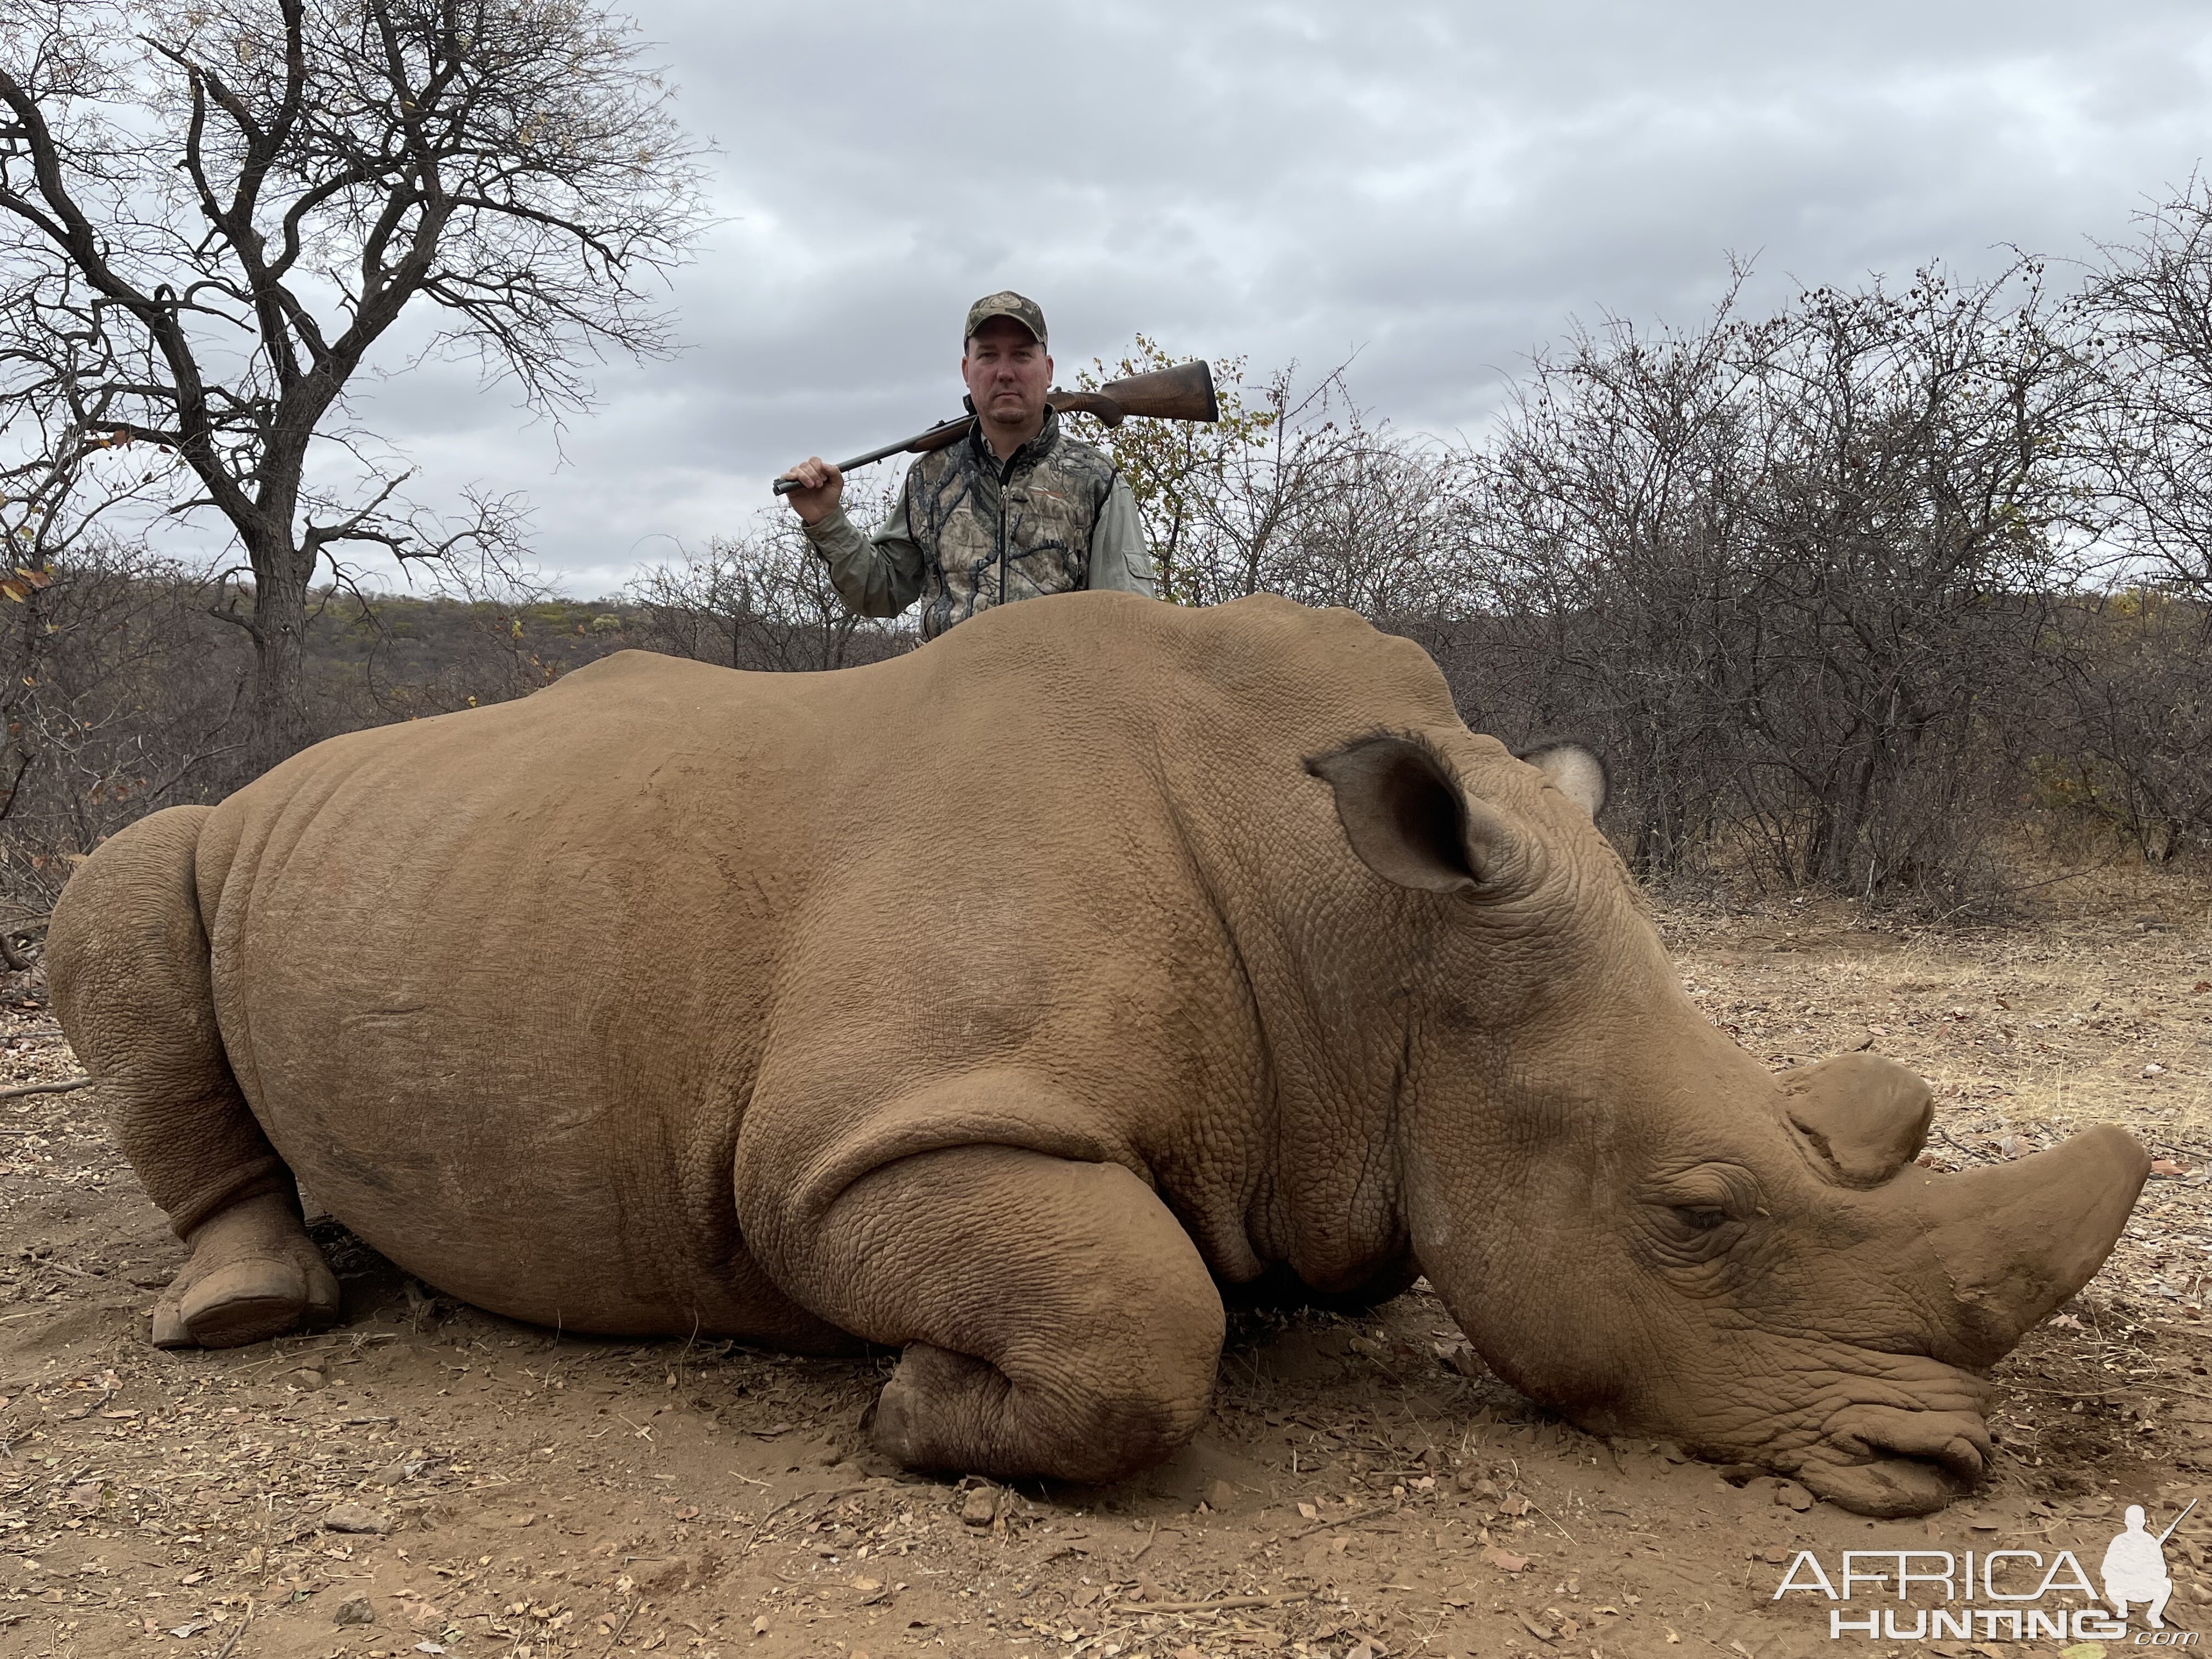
(2017, 1240)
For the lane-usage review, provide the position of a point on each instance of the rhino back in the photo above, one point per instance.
(493, 983)
(500, 985)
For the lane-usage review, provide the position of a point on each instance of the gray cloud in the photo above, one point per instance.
(1438, 188)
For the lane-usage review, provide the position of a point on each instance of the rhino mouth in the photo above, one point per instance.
(1877, 1433)
(1885, 1460)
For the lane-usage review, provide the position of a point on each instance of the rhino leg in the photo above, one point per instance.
(1057, 1320)
(128, 958)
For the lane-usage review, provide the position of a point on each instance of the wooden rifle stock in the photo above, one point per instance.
(1182, 394)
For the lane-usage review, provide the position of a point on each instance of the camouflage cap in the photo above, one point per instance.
(1005, 303)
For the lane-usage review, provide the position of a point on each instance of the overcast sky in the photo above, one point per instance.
(1439, 189)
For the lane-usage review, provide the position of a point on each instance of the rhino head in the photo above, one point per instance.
(1634, 1223)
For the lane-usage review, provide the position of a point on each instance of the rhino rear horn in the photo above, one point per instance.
(1411, 822)
(1864, 1117)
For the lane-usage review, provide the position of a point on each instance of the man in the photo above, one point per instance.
(1014, 510)
(2134, 1571)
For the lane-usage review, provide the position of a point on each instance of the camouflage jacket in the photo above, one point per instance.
(971, 531)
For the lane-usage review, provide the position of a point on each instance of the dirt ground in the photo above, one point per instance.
(428, 1479)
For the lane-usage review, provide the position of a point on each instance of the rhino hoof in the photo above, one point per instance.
(170, 1330)
(889, 1426)
(918, 1420)
(250, 1301)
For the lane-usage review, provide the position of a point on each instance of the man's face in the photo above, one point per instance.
(1007, 373)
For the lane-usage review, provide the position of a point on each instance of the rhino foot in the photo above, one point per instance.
(254, 1274)
(934, 1402)
(948, 1412)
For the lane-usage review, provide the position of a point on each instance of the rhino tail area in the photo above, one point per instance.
(128, 965)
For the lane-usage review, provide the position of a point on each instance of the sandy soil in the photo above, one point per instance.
(428, 1479)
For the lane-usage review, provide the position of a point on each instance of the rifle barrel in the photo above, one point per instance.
(2177, 1520)
(921, 443)
(1182, 393)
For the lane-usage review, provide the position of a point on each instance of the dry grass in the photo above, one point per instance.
(1353, 1487)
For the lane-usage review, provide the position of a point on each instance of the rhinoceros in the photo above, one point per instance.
(1004, 1002)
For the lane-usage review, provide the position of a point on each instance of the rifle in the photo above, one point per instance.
(1182, 393)
(2177, 1520)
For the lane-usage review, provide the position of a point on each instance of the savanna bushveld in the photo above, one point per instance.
(1610, 1000)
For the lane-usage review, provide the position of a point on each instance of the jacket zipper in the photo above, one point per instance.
(1005, 474)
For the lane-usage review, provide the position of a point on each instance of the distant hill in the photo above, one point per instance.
(404, 641)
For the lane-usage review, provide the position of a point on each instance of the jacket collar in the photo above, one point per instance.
(1028, 455)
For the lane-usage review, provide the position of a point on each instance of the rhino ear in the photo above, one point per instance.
(1409, 820)
(1578, 773)
(1863, 1116)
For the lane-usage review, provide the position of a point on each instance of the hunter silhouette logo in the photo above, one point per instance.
(2135, 1567)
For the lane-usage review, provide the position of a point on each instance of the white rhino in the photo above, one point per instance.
(1005, 1001)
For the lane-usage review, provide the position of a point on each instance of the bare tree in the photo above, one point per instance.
(1800, 571)
(1605, 523)
(761, 601)
(1177, 469)
(2149, 303)
(1296, 490)
(216, 213)
(110, 709)
(2125, 740)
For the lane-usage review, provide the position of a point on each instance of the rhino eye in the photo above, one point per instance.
(1699, 1211)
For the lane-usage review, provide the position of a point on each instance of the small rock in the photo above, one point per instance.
(1790, 1495)
(356, 1612)
(353, 1518)
(1219, 1496)
(2154, 1070)
(981, 1507)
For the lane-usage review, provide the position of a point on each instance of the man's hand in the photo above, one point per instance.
(821, 488)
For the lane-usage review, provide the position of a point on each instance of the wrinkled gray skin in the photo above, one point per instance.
(1002, 1003)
